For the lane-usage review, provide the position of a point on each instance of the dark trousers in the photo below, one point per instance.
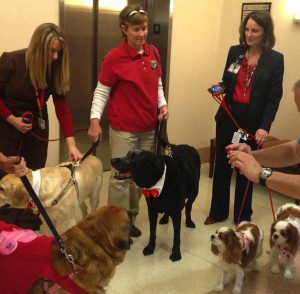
(219, 209)
(12, 142)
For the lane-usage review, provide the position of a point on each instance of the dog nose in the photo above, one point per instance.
(275, 236)
(212, 237)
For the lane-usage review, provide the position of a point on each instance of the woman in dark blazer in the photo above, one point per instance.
(252, 83)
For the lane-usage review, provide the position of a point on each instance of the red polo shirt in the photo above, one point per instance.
(134, 81)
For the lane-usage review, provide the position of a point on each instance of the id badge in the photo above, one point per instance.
(236, 137)
(234, 68)
(41, 123)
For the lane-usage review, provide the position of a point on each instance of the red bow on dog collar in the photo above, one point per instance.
(153, 192)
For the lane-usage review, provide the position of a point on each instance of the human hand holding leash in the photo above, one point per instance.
(23, 125)
(74, 153)
(95, 131)
(239, 147)
(13, 165)
(163, 113)
(246, 164)
(261, 136)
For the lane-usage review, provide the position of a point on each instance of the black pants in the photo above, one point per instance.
(219, 209)
(12, 142)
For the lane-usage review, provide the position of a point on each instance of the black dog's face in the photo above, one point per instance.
(143, 167)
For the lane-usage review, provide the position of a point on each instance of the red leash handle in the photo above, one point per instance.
(27, 117)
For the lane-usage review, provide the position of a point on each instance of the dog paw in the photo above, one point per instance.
(148, 250)
(190, 224)
(288, 275)
(164, 220)
(275, 269)
(175, 256)
(219, 288)
(237, 290)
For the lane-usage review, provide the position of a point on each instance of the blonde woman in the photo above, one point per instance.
(27, 78)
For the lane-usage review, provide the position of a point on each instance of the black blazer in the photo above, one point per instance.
(266, 89)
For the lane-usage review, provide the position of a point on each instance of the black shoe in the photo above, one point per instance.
(135, 232)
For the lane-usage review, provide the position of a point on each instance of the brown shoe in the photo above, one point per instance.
(135, 232)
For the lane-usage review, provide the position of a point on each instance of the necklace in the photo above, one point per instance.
(249, 74)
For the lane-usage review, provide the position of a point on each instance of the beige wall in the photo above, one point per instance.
(203, 31)
(19, 18)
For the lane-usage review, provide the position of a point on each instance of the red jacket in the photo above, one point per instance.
(29, 262)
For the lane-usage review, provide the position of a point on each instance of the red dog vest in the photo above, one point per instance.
(29, 262)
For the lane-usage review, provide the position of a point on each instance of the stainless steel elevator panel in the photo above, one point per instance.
(91, 32)
(77, 23)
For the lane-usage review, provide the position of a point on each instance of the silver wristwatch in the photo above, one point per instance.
(264, 174)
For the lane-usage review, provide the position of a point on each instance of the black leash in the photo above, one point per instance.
(46, 217)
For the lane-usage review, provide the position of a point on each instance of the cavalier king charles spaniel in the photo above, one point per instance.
(284, 238)
(237, 249)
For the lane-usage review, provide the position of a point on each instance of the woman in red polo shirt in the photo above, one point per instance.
(130, 77)
(252, 83)
(27, 78)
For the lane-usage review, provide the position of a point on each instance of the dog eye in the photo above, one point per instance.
(283, 234)
(273, 230)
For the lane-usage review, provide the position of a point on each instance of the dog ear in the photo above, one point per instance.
(271, 233)
(214, 249)
(233, 250)
(293, 238)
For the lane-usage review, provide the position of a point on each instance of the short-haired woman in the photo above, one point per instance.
(130, 77)
(252, 83)
(27, 78)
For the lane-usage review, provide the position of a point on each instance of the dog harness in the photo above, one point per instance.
(29, 260)
(244, 241)
(155, 190)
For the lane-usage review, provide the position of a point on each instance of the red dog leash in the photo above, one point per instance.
(220, 100)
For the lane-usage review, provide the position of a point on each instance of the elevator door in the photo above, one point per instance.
(91, 31)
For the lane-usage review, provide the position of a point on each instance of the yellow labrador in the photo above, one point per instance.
(53, 180)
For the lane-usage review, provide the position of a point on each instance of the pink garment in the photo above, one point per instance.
(9, 239)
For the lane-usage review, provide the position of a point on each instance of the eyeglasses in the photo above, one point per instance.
(133, 12)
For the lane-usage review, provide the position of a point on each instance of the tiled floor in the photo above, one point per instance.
(197, 272)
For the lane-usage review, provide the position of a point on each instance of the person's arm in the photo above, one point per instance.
(101, 96)
(247, 165)
(162, 103)
(274, 93)
(64, 117)
(286, 184)
(282, 155)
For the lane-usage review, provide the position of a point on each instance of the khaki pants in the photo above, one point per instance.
(125, 193)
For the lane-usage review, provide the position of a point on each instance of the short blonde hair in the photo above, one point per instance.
(139, 16)
(38, 58)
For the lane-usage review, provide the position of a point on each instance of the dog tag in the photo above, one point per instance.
(244, 136)
(236, 137)
(41, 123)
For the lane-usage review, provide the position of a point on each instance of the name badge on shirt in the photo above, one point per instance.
(153, 64)
(234, 67)
(41, 123)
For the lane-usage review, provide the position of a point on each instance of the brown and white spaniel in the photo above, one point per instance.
(236, 250)
(284, 238)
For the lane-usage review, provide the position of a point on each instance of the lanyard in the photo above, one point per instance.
(40, 100)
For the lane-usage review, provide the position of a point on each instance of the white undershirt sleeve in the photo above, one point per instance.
(101, 96)
(161, 96)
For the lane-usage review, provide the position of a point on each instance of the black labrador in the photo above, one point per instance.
(178, 177)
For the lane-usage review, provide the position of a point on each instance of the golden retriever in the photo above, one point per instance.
(97, 243)
(88, 176)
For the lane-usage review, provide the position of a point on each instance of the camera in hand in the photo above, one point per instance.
(215, 89)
